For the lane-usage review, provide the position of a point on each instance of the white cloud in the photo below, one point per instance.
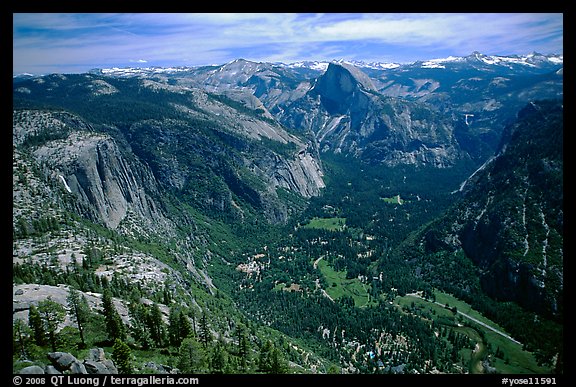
(116, 39)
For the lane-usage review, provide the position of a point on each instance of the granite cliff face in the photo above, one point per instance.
(89, 166)
(92, 167)
(342, 88)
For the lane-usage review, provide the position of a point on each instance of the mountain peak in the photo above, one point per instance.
(358, 77)
(340, 85)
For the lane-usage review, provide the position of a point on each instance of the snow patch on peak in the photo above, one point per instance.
(439, 62)
(312, 65)
(139, 71)
(323, 65)
(530, 60)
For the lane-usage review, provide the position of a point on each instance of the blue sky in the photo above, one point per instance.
(75, 43)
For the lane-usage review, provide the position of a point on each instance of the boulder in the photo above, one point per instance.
(95, 367)
(32, 370)
(62, 361)
(66, 363)
(77, 368)
(51, 370)
(97, 363)
(96, 354)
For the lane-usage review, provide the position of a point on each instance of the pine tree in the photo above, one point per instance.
(21, 334)
(174, 327)
(271, 360)
(264, 364)
(35, 323)
(278, 364)
(135, 295)
(219, 361)
(157, 326)
(179, 327)
(122, 357)
(243, 347)
(205, 335)
(52, 315)
(166, 295)
(185, 326)
(80, 311)
(23, 227)
(191, 356)
(114, 325)
(139, 317)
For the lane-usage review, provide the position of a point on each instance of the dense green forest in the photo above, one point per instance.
(285, 293)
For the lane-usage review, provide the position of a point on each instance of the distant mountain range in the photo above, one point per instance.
(533, 61)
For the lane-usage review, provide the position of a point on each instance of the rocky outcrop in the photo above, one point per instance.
(306, 173)
(32, 370)
(151, 367)
(102, 182)
(66, 363)
(25, 295)
(96, 363)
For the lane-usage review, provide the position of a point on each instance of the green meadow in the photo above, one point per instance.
(339, 286)
(330, 224)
